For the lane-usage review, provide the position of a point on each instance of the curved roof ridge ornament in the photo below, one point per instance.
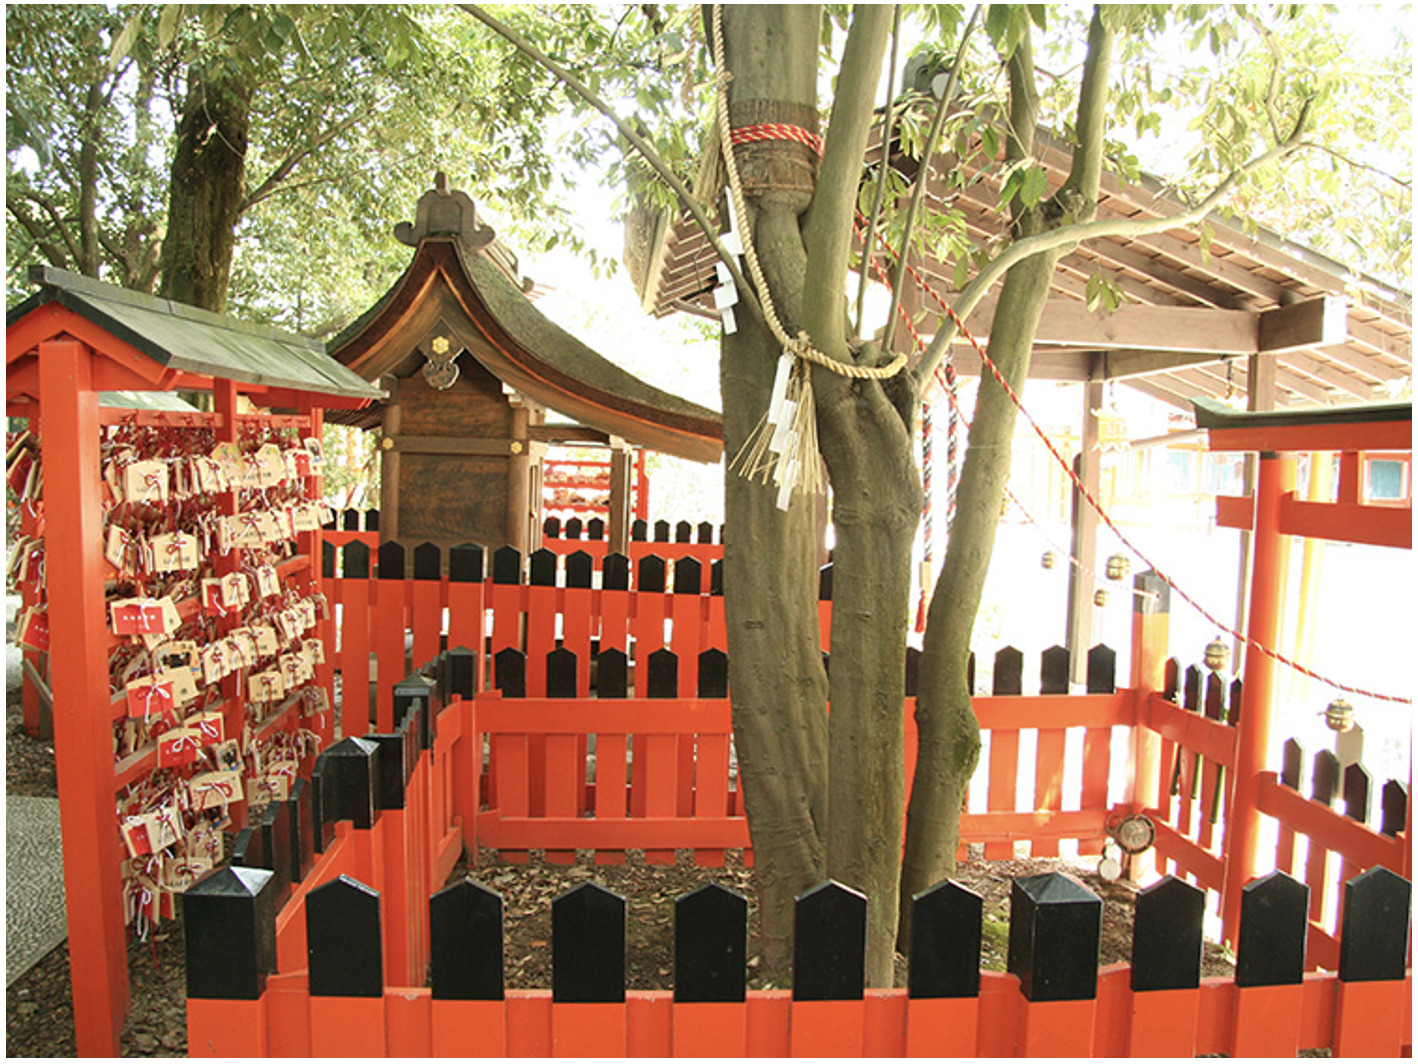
(445, 212)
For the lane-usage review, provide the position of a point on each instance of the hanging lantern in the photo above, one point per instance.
(1339, 715)
(1118, 566)
(1217, 655)
(1100, 597)
(1048, 559)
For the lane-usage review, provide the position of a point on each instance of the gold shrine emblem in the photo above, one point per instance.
(1112, 431)
(441, 370)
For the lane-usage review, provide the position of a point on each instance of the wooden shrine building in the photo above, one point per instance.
(472, 368)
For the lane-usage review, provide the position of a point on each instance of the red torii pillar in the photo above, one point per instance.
(83, 739)
(1269, 571)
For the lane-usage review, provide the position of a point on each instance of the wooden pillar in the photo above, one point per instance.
(519, 481)
(83, 728)
(1084, 544)
(619, 525)
(1275, 479)
(389, 462)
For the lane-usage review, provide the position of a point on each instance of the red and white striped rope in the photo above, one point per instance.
(776, 131)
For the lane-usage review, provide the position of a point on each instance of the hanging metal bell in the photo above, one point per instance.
(1100, 597)
(1048, 559)
(1217, 655)
(1339, 715)
(1118, 566)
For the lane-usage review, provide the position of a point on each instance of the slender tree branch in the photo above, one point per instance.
(827, 228)
(51, 250)
(869, 242)
(1064, 236)
(1087, 168)
(918, 193)
(294, 159)
(1356, 164)
(647, 152)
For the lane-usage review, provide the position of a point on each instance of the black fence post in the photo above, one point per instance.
(465, 930)
(348, 774)
(561, 673)
(1270, 950)
(418, 697)
(1054, 928)
(579, 566)
(460, 674)
(829, 944)
(302, 828)
(713, 674)
(588, 946)
(467, 563)
(509, 672)
(711, 936)
(229, 921)
(428, 562)
(343, 941)
(612, 673)
(945, 942)
(1167, 936)
(662, 674)
(1375, 928)
(391, 560)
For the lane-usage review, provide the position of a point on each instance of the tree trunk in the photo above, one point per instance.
(776, 678)
(207, 188)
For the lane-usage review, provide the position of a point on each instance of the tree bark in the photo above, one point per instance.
(949, 734)
(207, 187)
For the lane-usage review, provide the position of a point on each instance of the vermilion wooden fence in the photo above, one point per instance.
(338, 970)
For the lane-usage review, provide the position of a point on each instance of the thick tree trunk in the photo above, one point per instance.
(207, 188)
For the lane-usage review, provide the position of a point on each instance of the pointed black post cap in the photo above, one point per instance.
(1054, 927)
(688, 574)
(1356, 792)
(343, 941)
(663, 671)
(460, 672)
(350, 766)
(1324, 783)
(275, 832)
(1215, 697)
(509, 672)
(249, 849)
(573, 528)
(351, 520)
(465, 937)
(1102, 670)
(713, 674)
(1270, 950)
(467, 563)
(428, 562)
(711, 944)
(390, 777)
(615, 572)
(829, 943)
(596, 529)
(1373, 941)
(662, 531)
(561, 673)
(612, 672)
(391, 560)
(1292, 759)
(651, 574)
(507, 565)
(327, 559)
(945, 942)
(418, 699)
(355, 563)
(371, 520)
(578, 569)
(638, 530)
(1167, 936)
(551, 527)
(588, 945)
(302, 828)
(684, 532)
(716, 577)
(1395, 808)
(1191, 692)
(229, 918)
(1009, 671)
(542, 568)
(324, 807)
(1053, 671)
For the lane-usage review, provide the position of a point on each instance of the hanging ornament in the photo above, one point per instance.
(1100, 597)
(1048, 559)
(1118, 566)
(1217, 655)
(1339, 716)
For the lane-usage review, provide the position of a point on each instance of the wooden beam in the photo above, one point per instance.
(570, 434)
(1311, 323)
(1084, 544)
(1161, 389)
(1309, 366)
(453, 445)
(1134, 327)
(1124, 365)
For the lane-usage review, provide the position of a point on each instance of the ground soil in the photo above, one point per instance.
(39, 1012)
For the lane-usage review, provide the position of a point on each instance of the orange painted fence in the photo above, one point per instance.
(348, 950)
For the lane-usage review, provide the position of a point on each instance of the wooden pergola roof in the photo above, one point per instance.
(1190, 315)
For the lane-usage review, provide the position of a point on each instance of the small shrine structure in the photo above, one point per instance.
(472, 368)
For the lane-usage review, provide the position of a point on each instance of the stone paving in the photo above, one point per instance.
(34, 882)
